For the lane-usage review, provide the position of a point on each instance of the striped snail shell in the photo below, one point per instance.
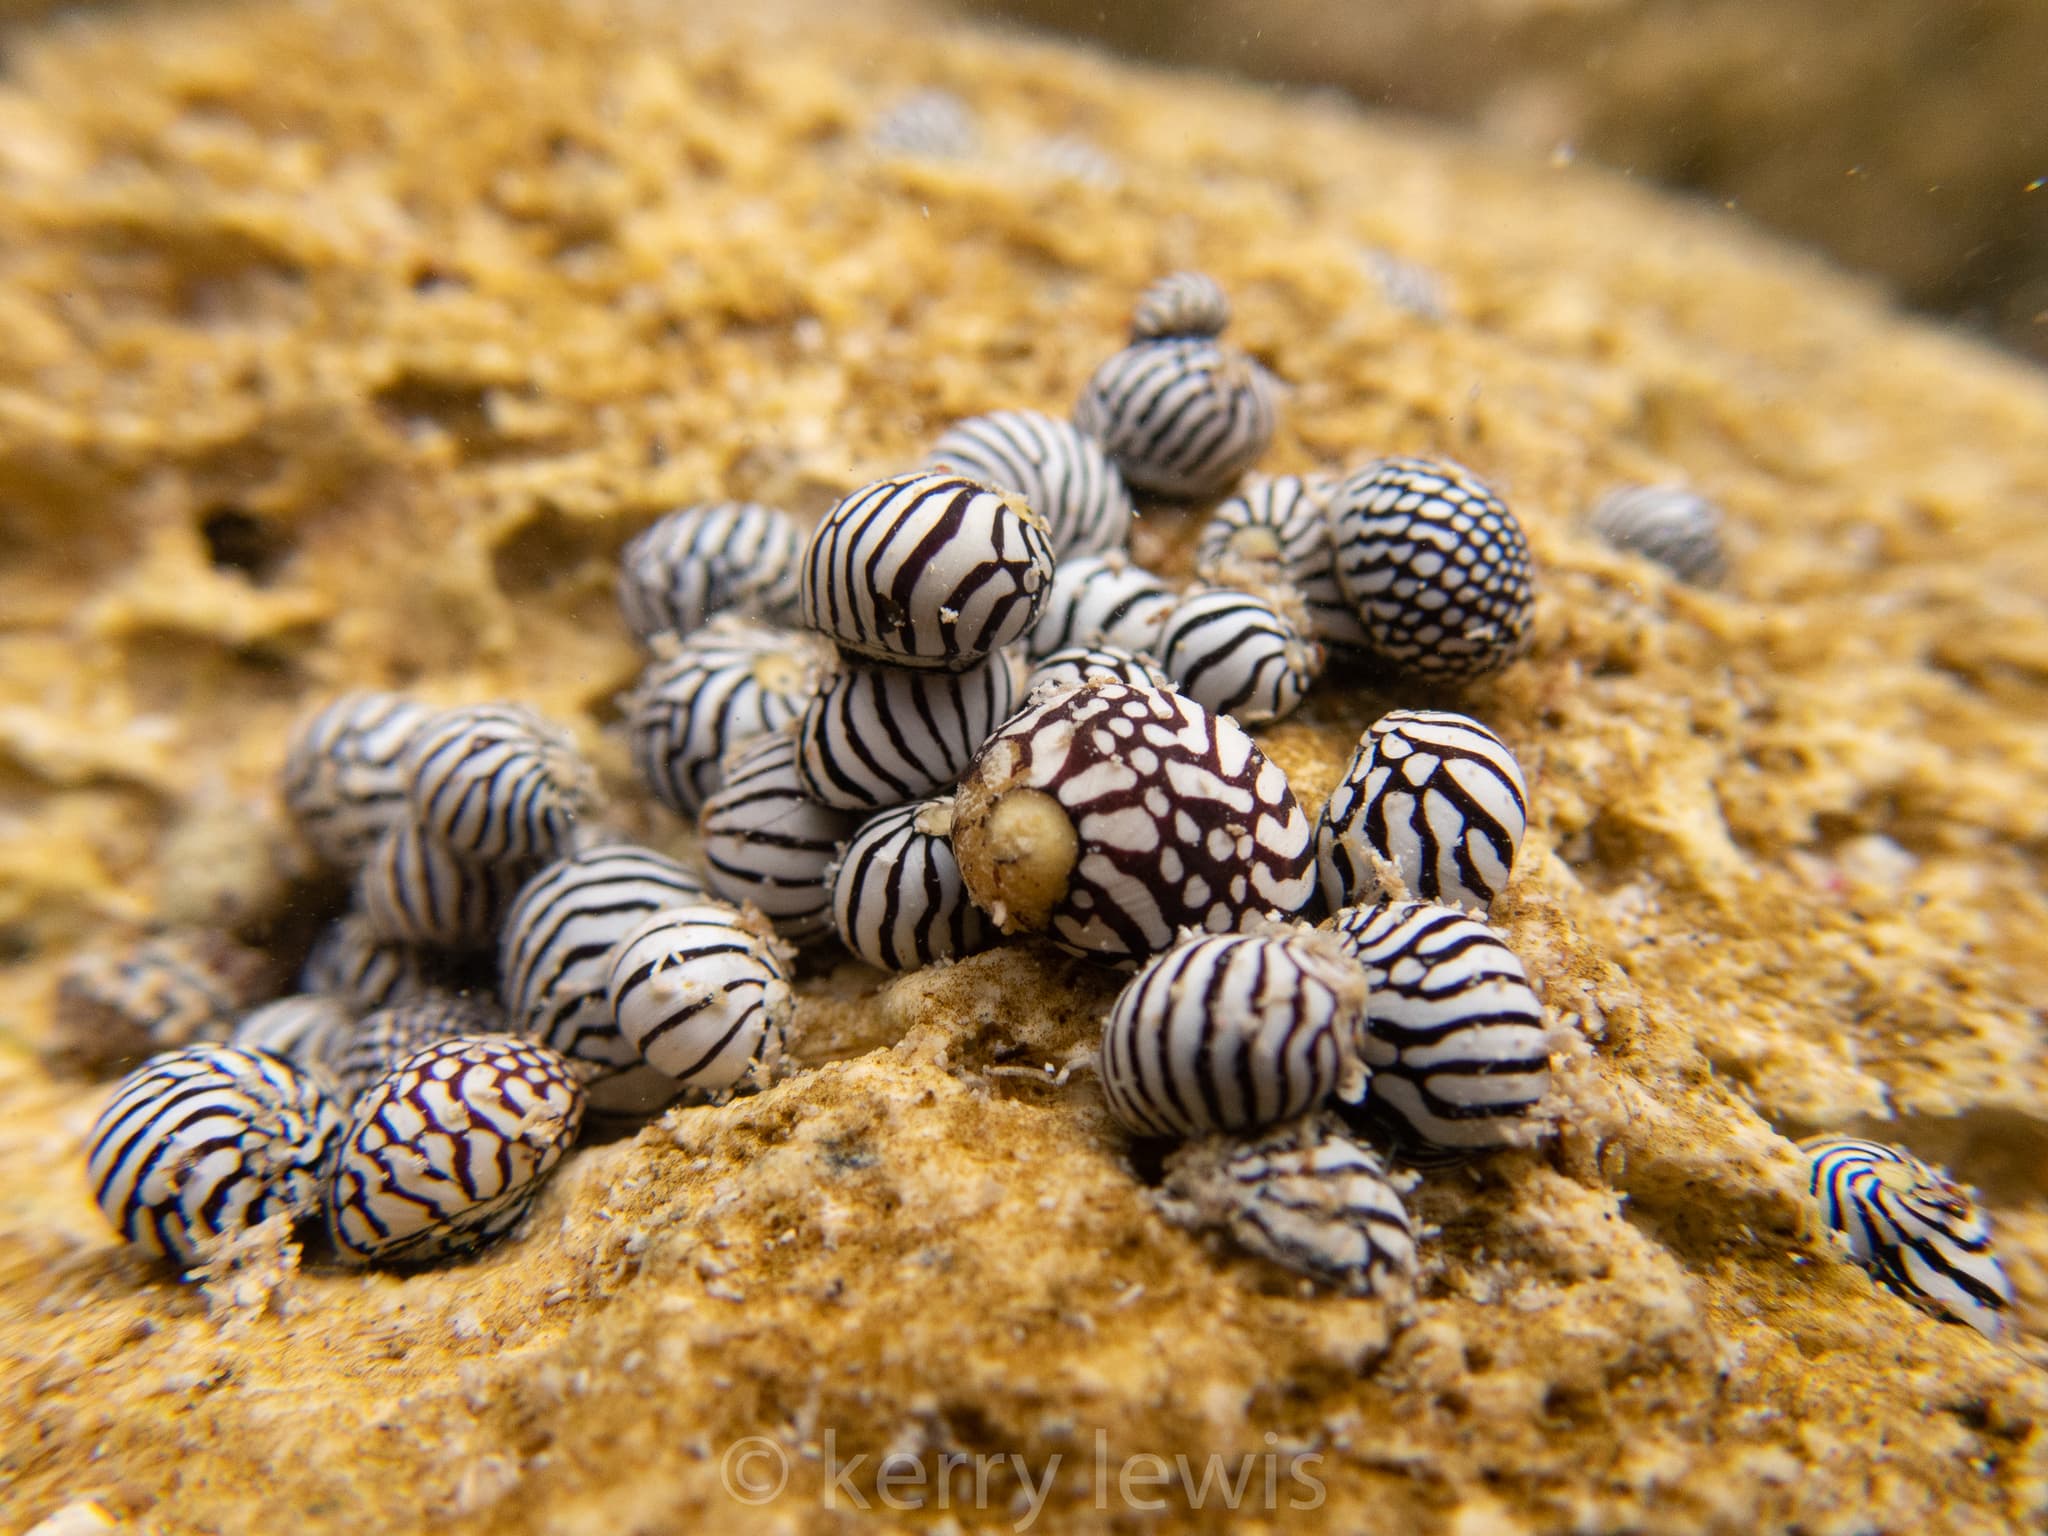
(1670, 524)
(117, 1005)
(1102, 600)
(495, 784)
(1916, 1230)
(1181, 304)
(201, 1143)
(1406, 285)
(1275, 532)
(1305, 1197)
(879, 736)
(350, 962)
(1435, 795)
(1240, 654)
(1059, 471)
(926, 570)
(554, 960)
(1268, 533)
(702, 992)
(1232, 1032)
(695, 563)
(1181, 416)
(766, 841)
(1436, 568)
(897, 897)
(1454, 1034)
(727, 684)
(344, 772)
(414, 890)
(447, 1150)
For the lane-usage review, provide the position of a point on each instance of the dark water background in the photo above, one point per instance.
(1907, 138)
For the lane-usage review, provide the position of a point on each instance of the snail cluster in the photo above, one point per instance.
(952, 711)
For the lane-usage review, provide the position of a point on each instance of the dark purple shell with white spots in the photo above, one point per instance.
(1109, 817)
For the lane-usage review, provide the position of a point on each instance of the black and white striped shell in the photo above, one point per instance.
(344, 772)
(1919, 1233)
(1232, 1032)
(1181, 304)
(717, 690)
(1273, 530)
(117, 1005)
(897, 897)
(495, 783)
(208, 1141)
(735, 557)
(766, 841)
(1454, 1035)
(879, 736)
(448, 1149)
(1061, 473)
(1305, 1197)
(1239, 654)
(1180, 417)
(414, 890)
(1102, 600)
(554, 960)
(1435, 567)
(1670, 524)
(1112, 663)
(703, 995)
(307, 1029)
(350, 962)
(380, 1041)
(1276, 533)
(1110, 817)
(926, 570)
(1436, 795)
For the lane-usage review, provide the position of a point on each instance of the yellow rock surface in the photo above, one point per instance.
(347, 344)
